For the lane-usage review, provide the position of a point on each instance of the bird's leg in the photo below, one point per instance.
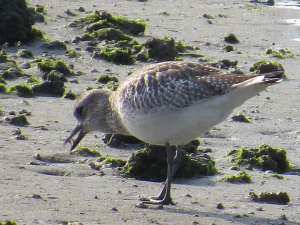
(176, 164)
(173, 164)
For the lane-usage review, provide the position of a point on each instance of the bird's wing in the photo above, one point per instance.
(175, 84)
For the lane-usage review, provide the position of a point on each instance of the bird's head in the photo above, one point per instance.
(90, 110)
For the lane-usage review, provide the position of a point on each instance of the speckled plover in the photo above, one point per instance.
(168, 103)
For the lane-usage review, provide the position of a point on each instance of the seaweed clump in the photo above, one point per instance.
(281, 53)
(263, 157)
(241, 176)
(163, 49)
(16, 22)
(8, 222)
(19, 120)
(241, 118)
(9, 69)
(116, 55)
(118, 46)
(273, 198)
(150, 163)
(231, 38)
(47, 64)
(105, 78)
(23, 90)
(86, 152)
(102, 19)
(263, 66)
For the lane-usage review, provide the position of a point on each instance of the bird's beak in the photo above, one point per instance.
(81, 135)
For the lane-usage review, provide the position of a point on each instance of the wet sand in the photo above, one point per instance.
(58, 193)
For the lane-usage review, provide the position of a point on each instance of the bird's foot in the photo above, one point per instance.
(157, 200)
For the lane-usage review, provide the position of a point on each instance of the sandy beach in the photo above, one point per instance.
(68, 191)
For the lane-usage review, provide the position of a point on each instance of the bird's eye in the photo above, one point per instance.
(79, 111)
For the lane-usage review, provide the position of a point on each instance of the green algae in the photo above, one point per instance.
(128, 43)
(19, 120)
(112, 161)
(23, 90)
(86, 152)
(106, 19)
(70, 95)
(3, 88)
(110, 34)
(252, 7)
(47, 64)
(52, 88)
(241, 176)
(105, 78)
(263, 66)
(281, 53)
(112, 85)
(71, 53)
(241, 118)
(263, 157)
(274, 175)
(116, 55)
(37, 13)
(271, 197)
(231, 38)
(8, 222)
(164, 13)
(150, 163)
(33, 80)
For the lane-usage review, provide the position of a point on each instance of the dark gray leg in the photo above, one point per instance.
(173, 164)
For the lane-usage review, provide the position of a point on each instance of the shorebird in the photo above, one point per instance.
(168, 103)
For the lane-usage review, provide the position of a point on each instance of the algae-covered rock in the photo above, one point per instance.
(273, 198)
(263, 66)
(116, 55)
(161, 49)
(241, 177)
(53, 88)
(263, 157)
(231, 38)
(105, 78)
(9, 69)
(281, 53)
(241, 118)
(24, 53)
(47, 64)
(86, 152)
(8, 222)
(16, 22)
(150, 163)
(70, 95)
(23, 90)
(55, 45)
(103, 19)
(55, 75)
(19, 120)
(110, 34)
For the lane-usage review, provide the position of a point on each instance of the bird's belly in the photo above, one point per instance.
(175, 126)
